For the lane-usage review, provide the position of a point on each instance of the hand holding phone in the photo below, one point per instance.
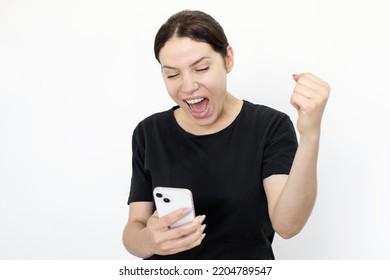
(168, 200)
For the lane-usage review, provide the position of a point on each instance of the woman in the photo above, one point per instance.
(248, 175)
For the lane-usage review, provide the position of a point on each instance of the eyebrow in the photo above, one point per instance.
(192, 64)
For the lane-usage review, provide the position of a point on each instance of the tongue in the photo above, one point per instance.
(200, 106)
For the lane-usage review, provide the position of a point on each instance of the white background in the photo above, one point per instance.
(77, 76)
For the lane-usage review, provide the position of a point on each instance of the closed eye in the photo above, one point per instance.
(202, 69)
(172, 76)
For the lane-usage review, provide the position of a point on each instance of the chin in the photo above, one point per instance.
(204, 122)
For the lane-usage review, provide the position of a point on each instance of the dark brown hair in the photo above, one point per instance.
(196, 25)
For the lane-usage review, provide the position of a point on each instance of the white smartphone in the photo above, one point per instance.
(168, 200)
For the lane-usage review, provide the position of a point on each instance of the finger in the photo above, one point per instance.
(197, 240)
(154, 223)
(155, 214)
(305, 86)
(173, 217)
(310, 88)
(181, 248)
(316, 80)
(162, 223)
(318, 96)
(296, 77)
(153, 218)
(184, 243)
(186, 229)
(313, 82)
(304, 91)
(300, 102)
(167, 236)
(310, 84)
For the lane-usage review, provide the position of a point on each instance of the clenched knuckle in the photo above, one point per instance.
(164, 247)
(157, 240)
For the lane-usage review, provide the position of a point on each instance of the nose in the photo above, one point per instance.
(189, 84)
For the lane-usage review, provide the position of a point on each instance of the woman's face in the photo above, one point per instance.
(195, 78)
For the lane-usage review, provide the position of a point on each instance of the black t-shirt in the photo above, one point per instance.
(224, 171)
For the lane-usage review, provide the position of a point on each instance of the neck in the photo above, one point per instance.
(231, 108)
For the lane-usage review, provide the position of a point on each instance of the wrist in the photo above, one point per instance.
(309, 137)
(145, 238)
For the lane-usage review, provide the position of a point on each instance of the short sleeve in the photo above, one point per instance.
(280, 148)
(141, 186)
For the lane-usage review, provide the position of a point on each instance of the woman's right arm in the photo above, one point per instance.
(146, 234)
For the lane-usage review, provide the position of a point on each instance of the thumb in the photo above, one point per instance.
(155, 214)
(296, 77)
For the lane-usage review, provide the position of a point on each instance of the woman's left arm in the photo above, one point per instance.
(291, 197)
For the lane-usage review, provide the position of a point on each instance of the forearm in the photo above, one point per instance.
(134, 239)
(299, 193)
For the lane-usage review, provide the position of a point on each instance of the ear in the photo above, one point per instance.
(229, 59)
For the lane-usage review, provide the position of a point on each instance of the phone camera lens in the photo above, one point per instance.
(166, 200)
(158, 194)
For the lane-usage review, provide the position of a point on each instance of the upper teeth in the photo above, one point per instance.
(193, 101)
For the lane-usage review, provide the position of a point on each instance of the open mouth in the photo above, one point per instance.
(198, 105)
